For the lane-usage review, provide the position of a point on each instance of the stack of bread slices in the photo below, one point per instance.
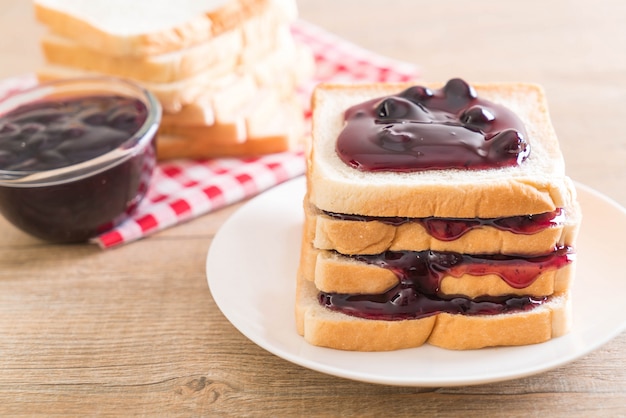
(459, 258)
(225, 71)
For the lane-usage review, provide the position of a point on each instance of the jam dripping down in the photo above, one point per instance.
(449, 229)
(420, 273)
(423, 129)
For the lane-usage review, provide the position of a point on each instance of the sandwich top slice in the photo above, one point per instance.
(538, 185)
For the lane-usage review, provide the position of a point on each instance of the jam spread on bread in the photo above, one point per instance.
(50, 134)
(449, 229)
(423, 129)
(420, 273)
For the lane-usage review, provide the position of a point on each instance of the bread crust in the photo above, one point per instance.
(538, 185)
(195, 30)
(281, 69)
(334, 273)
(172, 147)
(164, 68)
(282, 133)
(219, 107)
(375, 237)
(231, 129)
(320, 326)
(219, 55)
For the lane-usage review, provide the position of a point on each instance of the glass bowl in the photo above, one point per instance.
(76, 156)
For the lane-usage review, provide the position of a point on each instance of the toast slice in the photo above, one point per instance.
(284, 66)
(232, 101)
(323, 327)
(282, 132)
(538, 185)
(216, 55)
(377, 236)
(222, 106)
(231, 129)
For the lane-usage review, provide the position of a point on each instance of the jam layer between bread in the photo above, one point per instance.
(449, 229)
(516, 235)
(417, 293)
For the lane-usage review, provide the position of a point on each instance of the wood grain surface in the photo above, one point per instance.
(135, 331)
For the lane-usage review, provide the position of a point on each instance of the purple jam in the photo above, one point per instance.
(420, 273)
(449, 229)
(423, 129)
(52, 134)
(45, 135)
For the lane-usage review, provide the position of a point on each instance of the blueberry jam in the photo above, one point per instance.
(50, 137)
(449, 229)
(45, 135)
(420, 274)
(423, 129)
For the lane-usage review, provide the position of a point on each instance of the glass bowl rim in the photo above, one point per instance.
(136, 143)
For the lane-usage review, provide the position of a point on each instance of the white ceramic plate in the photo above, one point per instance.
(251, 270)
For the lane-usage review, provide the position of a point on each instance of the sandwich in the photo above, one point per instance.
(435, 214)
(215, 66)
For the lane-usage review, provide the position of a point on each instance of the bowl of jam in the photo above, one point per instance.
(76, 156)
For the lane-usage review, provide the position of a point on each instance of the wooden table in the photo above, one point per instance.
(135, 330)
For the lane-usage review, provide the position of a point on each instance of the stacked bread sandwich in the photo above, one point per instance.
(225, 71)
(437, 214)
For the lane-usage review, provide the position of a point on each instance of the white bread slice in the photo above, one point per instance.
(285, 70)
(284, 63)
(171, 95)
(217, 134)
(538, 185)
(216, 55)
(232, 128)
(322, 327)
(218, 107)
(260, 32)
(228, 103)
(145, 27)
(282, 132)
(200, 112)
(375, 237)
(255, 38)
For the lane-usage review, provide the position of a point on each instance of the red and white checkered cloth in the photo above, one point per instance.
(184, 189)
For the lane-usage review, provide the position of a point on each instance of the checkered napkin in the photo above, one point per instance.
(184, 189)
